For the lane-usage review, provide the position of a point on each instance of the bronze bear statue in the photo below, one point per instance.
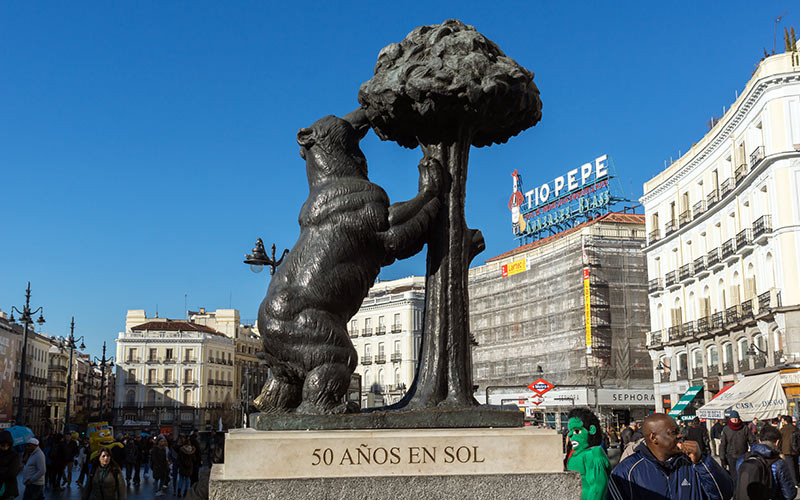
(348, 231)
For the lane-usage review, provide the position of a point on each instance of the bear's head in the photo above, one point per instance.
(330, 147)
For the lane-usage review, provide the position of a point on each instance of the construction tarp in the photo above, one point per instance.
(755, 396)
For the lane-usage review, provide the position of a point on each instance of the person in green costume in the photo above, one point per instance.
(587, 456)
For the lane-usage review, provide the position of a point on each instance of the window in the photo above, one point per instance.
(713, 357)
(131, 354)
(130, 398)
(697, 360)
(188, 354)
(354, 325)
(397, 347)
(151, 376)
(168, 376)
(381, 321)
(368, 323)
(187, 376)
(381, 349)
(131, 378)
(727, 353)
(153, 355)
(396, 324)
(397, 379)
(367, 350)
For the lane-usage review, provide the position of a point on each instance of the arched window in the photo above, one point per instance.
(367, 381)
(130, 398)
(397, 379)
(683, 365)
(697, 363)
(151, 397)
(690, 316)
(727, 357)
(712, 355)
(777, 342)
(381, 379)
(659, 317)
(769, 271)
(742, 348)
(721, 304)
(168, 397)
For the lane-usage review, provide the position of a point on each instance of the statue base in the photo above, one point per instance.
(434, 418)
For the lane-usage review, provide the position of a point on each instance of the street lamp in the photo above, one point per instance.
(102, 363)
(158, 412)
(259, 258)
(26, 317)
(662, 368)
(71, 344)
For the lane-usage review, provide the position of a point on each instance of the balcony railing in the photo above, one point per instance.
(717, 319)
(712, 259)
(760, 361)
(353, 334)
(756, 156)
(712, 198)
(685, 272)
(685, 217)
(703, 324)
(727, 367)
(397, 328)
(713, 370)
(763, 302)
(366, 360)
(670, 227)
(725, 188)
(762, 225)
(728, 248)
(655, 338)
(687, 329)
(654, 236)
(744, 238)
(380, 359)
(740, 173)
(152, 360)
(670, 279)
(747, 309)
(381, 330)
(655, 285)
(699, 264)
(674, 332)
(132, 360)
(732, 314)
(189, 360)
(367, 332)
(171, 361)
(396, 356)
(699, 207)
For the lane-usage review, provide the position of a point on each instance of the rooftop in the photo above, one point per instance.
(168, 325)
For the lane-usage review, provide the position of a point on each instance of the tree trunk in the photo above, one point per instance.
(444, 373)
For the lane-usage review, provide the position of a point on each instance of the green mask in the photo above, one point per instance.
(578, 435)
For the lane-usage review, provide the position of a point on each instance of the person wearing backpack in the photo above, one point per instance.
(735, 442)
(790, 445)
(761, 472)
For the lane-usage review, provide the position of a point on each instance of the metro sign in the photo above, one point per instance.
(537, 400)
(541, 386)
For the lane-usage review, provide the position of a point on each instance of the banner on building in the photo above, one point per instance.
(8, 355)
(512, 268)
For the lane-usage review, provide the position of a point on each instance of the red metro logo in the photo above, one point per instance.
(540, 386)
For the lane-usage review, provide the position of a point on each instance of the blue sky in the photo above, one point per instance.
(145, 145)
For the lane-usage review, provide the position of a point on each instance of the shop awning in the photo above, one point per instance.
(685, 400)
(755, 396)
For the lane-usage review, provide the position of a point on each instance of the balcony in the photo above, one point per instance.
(729, 249)
(396, 357)
(760, 361)
(732, 315)
(687, 329)
(700, 266)
(685, 217)
(670, 227)
(744, 241)
(654, 236)
(747, 309)
(712, 198)
(170, 361)
(353, 334)
(717, 320)
(132, 360)
(713, 259)
(381, 330)
(674, 333)
(699, 207)
(366, 360)
(727, 367)
(769, 300)
(169, 381)
(397, 328)
(655, 338)
(189, 361)
(367, 332)
(56, 367)
(725, 188)
(761, 228)
(740, 173)
(670, 279)
(655, 285)
(380, 359)
(713, 370)
(756, 156)
(685, 273)
(131, 381)
(151, 361)
(703, 324)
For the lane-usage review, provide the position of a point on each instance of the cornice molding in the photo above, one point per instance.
(724, 133)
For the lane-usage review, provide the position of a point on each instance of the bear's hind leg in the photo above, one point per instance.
(324, 390)
(278, 396)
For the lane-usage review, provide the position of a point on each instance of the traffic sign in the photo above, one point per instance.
(540, 386)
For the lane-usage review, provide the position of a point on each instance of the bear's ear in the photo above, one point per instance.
(305, 137)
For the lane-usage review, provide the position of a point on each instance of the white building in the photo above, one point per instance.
(386, 333)
(724, 239)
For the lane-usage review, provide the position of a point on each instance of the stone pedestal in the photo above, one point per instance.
(393, 464)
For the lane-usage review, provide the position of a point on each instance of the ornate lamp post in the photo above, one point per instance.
(26, 317)
(103, 363)
(259, 258)
(71, 345)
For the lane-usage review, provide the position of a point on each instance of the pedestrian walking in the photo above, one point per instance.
(83, 462)
(790, 446)
(187, 455)
(626, 436)
(663, 467)
(160, 466)
(34, 471)
(698, 433)
(762, 475)
(716, 434)
(69, 452)
(9, 467)
(173, 458)
(131, 461)
(735, 442)
(105, 481)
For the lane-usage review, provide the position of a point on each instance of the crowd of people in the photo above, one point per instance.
(662, 459)
(173, 463)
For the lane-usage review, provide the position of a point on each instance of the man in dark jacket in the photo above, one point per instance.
(735, 442)
(782, 484)
(788, 430)
(716, 435)
(697, 432)
(664, 468)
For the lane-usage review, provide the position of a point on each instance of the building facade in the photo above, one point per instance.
(723, 226)
(172, 373)
(528, 316)
(386, 333)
